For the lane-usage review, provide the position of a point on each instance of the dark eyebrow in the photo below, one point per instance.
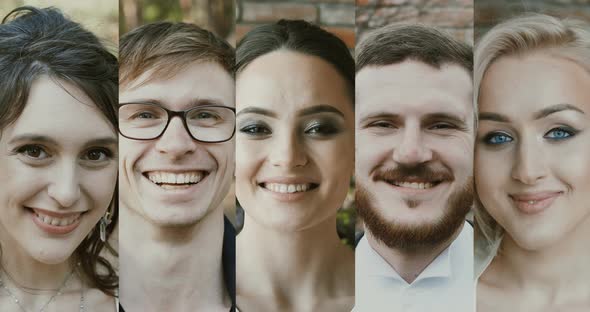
(257, 110)
(555, 109)
(320, 109)
(103, 141)
(449, 117)
(493, 117)
(32, 138)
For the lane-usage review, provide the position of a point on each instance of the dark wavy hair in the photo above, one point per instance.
(299, 36)
(36, 42)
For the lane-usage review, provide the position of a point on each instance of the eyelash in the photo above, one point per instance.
(256, 130)
(26, 150)
(316, 129)
(569, 133)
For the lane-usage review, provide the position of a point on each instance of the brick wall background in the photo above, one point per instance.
(336, 16)
(454, 16)
(490, 12)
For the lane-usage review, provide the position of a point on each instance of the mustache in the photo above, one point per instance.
(420, 172)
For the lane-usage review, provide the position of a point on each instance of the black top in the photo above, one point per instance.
(228, 259)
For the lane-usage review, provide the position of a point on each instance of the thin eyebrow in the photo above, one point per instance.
(555, 109)
(380, 115)
(446, 116)
(320, 109)
(193, 103)
(493, 117)
(257, 110)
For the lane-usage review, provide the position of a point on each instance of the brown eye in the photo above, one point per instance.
(97, 155)
(33, 151)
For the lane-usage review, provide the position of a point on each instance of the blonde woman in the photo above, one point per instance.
(532, 174)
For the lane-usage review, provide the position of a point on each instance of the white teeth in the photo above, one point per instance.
(287, 188)
(57, 221)
(414, 185)
(159, 177)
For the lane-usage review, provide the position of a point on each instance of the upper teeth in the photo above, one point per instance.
(55, 221)
(175, 178)
(414, 185)
(287, 188)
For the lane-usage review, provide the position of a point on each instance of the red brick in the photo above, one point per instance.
(455, 17)
(335, 14)
(270, 12)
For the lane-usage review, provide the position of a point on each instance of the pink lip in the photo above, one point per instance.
(532, 203)
(287, 197)
(55, 229)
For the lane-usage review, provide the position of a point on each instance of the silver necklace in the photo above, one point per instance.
(57, 293)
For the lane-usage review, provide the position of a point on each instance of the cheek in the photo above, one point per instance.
(250, 156)
(99, 187)
(572, 168)
(20, 183)
(371, 152)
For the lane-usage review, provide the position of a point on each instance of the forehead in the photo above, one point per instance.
(533, 81)
(414, 88)
(292, 80)
(197, 81)
(52, 103)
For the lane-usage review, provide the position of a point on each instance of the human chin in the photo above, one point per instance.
(416, 232)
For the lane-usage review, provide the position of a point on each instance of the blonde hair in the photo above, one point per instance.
(563, 38)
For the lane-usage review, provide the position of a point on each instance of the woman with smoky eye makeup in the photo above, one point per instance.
(295, 159)
(58, 165)
(532, 174)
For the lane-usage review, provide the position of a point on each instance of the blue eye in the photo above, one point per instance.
(497, 138)
(557, 134)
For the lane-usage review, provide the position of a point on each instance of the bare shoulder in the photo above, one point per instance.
(96, 300)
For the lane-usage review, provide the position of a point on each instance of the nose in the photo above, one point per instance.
(288, 152)
(65, 188)
(176, 142)
(412, 149)
(529, 165)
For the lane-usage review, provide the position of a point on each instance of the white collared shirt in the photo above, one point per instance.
(446, 285)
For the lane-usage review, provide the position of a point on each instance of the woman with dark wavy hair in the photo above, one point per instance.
(58, 164)
(295, 159)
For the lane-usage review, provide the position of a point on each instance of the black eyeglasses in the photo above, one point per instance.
(205, 123)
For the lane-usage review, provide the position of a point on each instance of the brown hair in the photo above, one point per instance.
(35, 42)
(396, 43)
(166, 48)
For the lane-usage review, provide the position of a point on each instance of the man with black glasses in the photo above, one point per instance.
(176, 121)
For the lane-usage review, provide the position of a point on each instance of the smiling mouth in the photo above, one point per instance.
(56, 221)
(289, 188)
(417, 185)
(175, 180)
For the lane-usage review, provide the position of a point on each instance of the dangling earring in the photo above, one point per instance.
(104, 222)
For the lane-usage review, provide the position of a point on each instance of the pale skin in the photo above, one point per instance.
(429, 120)
(543, 260)
(66, 169)
(289, 248)
(171, 246)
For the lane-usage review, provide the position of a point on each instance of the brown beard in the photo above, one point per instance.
(411, 237)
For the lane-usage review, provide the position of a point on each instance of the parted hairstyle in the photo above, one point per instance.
(43, 42)
(530, 33)
(298, 36)
(395, 43)
(166, 48)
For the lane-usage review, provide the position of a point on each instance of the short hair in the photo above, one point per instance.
(36, 42)
(395, 43)
(562, 38)
(166, 48)
(299, 36)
